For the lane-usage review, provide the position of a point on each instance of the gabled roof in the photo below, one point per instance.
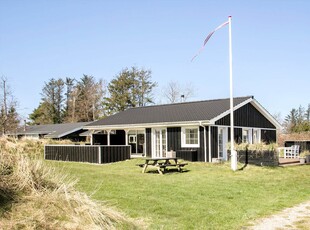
(200, 111)
(52, 130)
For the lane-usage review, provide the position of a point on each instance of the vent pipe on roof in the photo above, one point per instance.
(182, 98)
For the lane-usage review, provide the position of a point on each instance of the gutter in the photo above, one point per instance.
(148, 125)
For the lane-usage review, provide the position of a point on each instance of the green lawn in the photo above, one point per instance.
(207, 196)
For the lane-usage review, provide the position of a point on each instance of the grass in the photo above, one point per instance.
(35, 196)
(207, 196)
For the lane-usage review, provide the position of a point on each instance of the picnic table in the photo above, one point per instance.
(161, 164)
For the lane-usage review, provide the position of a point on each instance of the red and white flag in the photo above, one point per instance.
(208, 37)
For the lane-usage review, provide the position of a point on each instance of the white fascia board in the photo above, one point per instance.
(228, 111)
(147, 125)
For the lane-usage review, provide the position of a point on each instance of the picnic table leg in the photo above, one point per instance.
(160, 172)
(179, 168)
(144, 168)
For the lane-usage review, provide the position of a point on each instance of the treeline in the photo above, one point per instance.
(298, 120)
(88, 99)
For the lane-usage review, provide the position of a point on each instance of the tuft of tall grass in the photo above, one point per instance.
(35, 196)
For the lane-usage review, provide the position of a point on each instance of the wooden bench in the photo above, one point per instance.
(179, 166)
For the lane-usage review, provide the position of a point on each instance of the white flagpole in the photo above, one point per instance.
(233, 152)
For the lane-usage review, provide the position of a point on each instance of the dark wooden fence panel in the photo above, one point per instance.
(92, 154)
(72, 153)
(258, 157)
(114, 153)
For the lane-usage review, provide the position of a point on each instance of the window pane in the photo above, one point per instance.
(245, 136)
(191, 136)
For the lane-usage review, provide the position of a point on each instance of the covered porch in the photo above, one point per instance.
(135, 138)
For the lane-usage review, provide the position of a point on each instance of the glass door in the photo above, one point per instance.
(159, 142)
(222, 141)
(136, 139)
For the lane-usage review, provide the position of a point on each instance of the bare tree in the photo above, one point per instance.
(87, 99)
(175, 93)
(8, 115)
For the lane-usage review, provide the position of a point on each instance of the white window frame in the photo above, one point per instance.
(183, 137)
(162, 151)
(249, 136)
(258, 137)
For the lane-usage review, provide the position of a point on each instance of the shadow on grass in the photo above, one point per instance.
(168, 171)
(246, 161)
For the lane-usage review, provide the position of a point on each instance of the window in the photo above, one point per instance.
(256, 136)
(190, 137)
(247, 136)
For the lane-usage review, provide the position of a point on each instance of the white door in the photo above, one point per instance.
(222, 142)
(159, 142)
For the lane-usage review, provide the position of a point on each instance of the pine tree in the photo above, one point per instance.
(130, 88)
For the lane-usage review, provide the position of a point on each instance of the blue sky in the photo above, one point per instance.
(41, 40)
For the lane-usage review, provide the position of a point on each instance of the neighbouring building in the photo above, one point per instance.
(71, 131)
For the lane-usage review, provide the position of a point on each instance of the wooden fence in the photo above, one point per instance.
(99, 154)
(258, 157)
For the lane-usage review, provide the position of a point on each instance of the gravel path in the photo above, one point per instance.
(286, 219)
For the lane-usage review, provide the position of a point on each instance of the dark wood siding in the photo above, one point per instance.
(207, 140)
(174, 142)
(269, 136)
(148, 142)
(201, 152)
(214, 141)
(174, 138)
(247, 116)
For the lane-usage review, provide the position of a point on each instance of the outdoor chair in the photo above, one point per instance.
(291, 152)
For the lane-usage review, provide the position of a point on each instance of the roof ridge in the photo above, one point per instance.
(188, 102)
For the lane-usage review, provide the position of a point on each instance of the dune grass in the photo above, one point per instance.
(36, 196)
(207, 196)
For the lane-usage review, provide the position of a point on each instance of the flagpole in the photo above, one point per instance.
(233, 152)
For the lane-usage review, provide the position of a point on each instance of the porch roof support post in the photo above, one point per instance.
(205, 142)
(209, 139)
(99, 155)
(108, 136)
(126, 136)
(91, 137)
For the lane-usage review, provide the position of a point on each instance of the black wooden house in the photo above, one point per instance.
(197, 131)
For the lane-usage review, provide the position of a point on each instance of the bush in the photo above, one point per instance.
(258, 146)
(304, 153)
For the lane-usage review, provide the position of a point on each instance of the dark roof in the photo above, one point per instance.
(178, 112)
(52, 130)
